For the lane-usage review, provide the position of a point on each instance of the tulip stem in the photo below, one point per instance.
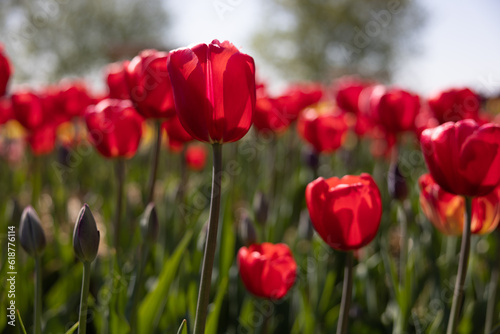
(345, 304)
(492, 292)
(154, 165)
(184, 177)
(120, 178)
(211, 243)
(142, 256)
(38, 296)
(462, 270)
(82, 319)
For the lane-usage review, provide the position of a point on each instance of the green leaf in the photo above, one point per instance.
(182, 328)
(21, 321)
(73, 328)
(152, 306)
(213, 317)
(228, 240)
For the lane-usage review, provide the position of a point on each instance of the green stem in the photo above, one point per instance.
(462, 270)
(211, 243)
(143, 255)
(492, 292)
(120, 178)
(345, 304)
(184, 177)
(82, 326)
(154, 164)
(38, 296)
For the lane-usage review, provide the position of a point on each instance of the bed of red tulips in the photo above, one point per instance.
(350, 206)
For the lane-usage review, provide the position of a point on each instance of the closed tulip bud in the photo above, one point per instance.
(31, 233)
(261, 208)
(246, 230)
(396, 183)
(86, 236)
(149, 224)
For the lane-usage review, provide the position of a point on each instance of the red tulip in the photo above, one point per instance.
(454, 105)
(214, 91)
(345, 212)
(270, 114)
(446, 211)
(177, 136)
(74, 98)
(347, 91)
(117, 81)
(324, 131)
(5, 71)
(6, 113)
(196, 157)
(394, 109)
(27, 108)
(462, 157)
(149, 84)
(115, 128)
(267, 270)
(42, 140)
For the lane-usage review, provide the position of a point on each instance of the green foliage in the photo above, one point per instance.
(321, 40)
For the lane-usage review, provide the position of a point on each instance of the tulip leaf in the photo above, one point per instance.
(228, 240)
(72, 329)
(182, 328)
(21, 321)
(152, 306)
(213, 317)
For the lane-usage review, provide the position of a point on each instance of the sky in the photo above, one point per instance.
(458, 46)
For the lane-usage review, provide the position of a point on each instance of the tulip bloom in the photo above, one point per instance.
(454, 105)
(324, 131)
(74, 98)
(463, 157)
(177, 136)
(267, 270)
(196, 157)
(27, 108)
(149, 84)
(115, 128)
(345, 212)
(6, 113)
(446, 211)
(214, 91)
(117, 81)
(270, 114)
(5, 71)
(42, 140)
(347, 91)
(394, 109)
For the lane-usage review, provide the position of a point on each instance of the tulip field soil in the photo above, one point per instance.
(58, 184)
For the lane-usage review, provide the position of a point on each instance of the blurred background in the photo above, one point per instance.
(421, 45)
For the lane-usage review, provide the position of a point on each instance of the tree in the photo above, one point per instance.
(49, 39)
(324, 39)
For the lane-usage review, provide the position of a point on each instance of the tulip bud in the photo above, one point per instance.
(246, 230)
(31, 233)
(86, 236)
(311, 158)
(149, 224)
(396, 183)
(260, 207)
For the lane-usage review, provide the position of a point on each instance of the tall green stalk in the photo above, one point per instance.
(462, 270)
(211, 243)
(154, 163)
(82, 327)
(38, 296)
(120, 178)
(345, 304)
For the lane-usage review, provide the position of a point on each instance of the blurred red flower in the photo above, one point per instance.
(270, 113)
(117, 81)
(74, 98)
(463, 157)
(446, 211)
(27, 109)
(115, 128)
(5, 71)
(149, 84)
(347, 91)
(394, 109)
(42, 140)
(325, 131)
(267, 270)
(196, 157)
(176, 134)
(214, 91)
(345, 212)
(6, 113)
(454, 105)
